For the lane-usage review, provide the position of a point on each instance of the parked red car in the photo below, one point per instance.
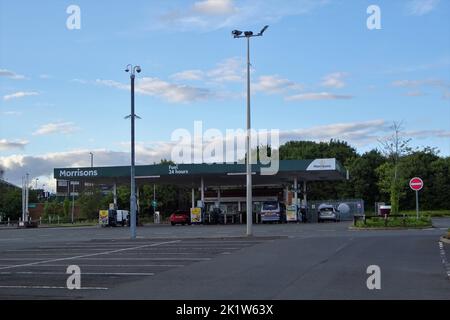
(180, 217)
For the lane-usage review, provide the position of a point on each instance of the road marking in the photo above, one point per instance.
(444, 259)
(43, 260)
(25, 254)
(84, 273)
(89, 255)
(50, 287)
(11, 239)
(105, 265)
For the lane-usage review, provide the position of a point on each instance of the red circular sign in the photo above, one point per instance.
(416, 184)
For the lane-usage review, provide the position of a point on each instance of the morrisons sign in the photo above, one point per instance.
(77, 173)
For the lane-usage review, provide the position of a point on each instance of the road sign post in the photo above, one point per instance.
(416, 184)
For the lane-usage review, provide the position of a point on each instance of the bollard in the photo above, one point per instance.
(40, 220)
(58, 219)
(49, 219)
(225, 219)
(8, 221)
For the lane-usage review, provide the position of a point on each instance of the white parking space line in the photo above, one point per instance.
(105, 265)
(50, 287)
(90, 255)
(25, 255)
(83, 273)
(444, 259)
(44, 260)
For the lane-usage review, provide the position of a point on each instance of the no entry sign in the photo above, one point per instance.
(416, 184)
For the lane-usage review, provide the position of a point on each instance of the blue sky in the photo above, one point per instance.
(317, 73)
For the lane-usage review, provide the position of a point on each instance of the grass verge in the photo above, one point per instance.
(396, 222)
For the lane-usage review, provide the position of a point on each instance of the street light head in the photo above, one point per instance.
(236, 33)
(138, 69)
(262, 30)
(248, 33)
(127, 70)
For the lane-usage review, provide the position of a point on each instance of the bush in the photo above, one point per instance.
(396, 222)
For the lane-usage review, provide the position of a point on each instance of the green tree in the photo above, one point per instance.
(10, 202)
(66, 207)
(395, 147)
(363, 182)
(90, 203)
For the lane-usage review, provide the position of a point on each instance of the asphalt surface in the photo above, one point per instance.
(289, 261)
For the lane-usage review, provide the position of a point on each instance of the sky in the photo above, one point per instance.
(317, 73)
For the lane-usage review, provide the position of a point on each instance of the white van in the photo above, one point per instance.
(272, 211)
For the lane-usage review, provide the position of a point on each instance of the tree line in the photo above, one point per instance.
(378, 175)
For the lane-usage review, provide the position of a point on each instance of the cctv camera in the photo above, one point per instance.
(248, 33)
(236, 33)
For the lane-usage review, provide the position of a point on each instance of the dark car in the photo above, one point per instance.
(180, 217)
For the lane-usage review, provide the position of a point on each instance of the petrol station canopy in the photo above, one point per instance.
(222, 174)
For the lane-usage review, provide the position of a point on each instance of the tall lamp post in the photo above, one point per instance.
(132, 70)
(249, 201)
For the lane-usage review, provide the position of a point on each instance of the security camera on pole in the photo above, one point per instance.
(249, 202)
(132, 70)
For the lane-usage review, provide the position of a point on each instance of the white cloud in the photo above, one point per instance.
(9, 145)
(45, 76)
(229, 70)
(419, 83)
(188, 75)
(414, 94)
(421, 7)
(334, 80)
(214, 7)
(317, 96)
(11, 75)
(361, 134)
(446, 95)
(12, 113)
(58, 127)
(210, 15)
(82, 81)
(20, 94)
(275, 84)
(169, 91)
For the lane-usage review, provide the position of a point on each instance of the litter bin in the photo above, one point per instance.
(384, 210)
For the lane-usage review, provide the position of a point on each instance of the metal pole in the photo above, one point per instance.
(26, 199)
(417, 204)
(92, 159)
(73, 199)
(23, 198)
(115, 195)
(133, 188)
(248, 164)
(296, 196)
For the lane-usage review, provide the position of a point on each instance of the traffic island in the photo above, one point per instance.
(446, 238)
(391, 222)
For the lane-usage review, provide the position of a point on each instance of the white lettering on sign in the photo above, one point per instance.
(173, 169)
(78, 173)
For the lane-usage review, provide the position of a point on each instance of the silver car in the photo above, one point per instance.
(327, 212)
